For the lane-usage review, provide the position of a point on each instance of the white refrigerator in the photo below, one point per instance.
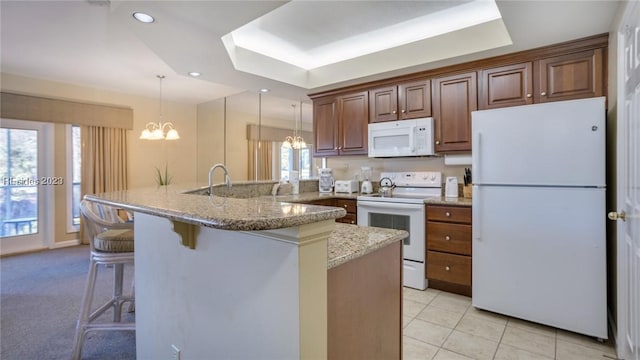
(539, 214)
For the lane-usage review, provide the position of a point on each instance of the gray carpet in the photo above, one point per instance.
(40, 301)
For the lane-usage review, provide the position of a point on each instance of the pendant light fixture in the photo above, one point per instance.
(296, 141)
(159, 131)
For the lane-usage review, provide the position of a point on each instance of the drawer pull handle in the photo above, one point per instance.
(447, 237)
(353, 221)
(447, 268)
(345, 206)
(447, 214)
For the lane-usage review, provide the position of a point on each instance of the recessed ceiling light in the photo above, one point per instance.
(194, 73)
(264, 90)
(142, 17)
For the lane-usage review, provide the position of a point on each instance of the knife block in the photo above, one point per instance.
(466, 191)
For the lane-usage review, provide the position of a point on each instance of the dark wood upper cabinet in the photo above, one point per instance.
(325, 127)
(509, 85)
(573, 76)
(454, 98)
(354, 121)
(408, 100)
(383, 104)
(340, 125)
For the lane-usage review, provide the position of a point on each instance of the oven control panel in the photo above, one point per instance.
(415, 178)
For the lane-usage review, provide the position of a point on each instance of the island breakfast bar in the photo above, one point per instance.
(246, 278)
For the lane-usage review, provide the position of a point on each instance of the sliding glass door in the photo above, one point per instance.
(25, 185)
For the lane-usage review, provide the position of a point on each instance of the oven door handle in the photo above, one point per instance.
(388, 205)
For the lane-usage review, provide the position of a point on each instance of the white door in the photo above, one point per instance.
(628, 183)
(26, 187)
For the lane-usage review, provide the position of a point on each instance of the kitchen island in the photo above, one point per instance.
(248, 278)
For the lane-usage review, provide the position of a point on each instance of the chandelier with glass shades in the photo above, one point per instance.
(296, 141)
(159, 131)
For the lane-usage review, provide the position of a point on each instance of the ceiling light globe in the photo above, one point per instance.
(145, 135)
(172, 135)
(156, 135)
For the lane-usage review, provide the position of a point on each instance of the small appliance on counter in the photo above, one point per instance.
(367, 187)
(451, 187)
(325, 180)
(346, 186)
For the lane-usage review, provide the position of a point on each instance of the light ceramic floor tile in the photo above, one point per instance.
(421, 296)
(532, 327)
(606, 347)
(449, 302)
(440, 316)
(406, 320)
(530, 341)
(487, 315)
(506, 352)
(427, 332)
(571, 351)
(480, 327)
(449, 355)
(417, 350)
(412, 308)
(469, 345)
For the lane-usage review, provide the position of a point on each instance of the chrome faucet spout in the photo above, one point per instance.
(227, 179)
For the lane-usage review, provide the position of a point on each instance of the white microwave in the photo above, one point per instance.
(401, 138)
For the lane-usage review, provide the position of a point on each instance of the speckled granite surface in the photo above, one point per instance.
(261, 213)
(348, 242)
(441, 200)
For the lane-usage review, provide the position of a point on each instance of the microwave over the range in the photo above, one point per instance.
(401, 138)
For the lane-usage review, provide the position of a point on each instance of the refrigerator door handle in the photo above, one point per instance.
(475, 215)
(475, 158)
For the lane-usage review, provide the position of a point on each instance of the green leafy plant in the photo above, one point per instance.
(163, 180)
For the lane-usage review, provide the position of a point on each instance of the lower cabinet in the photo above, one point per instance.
(350, 205)
(448, 232)
(364, 306)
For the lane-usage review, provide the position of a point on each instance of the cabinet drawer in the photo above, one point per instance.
(451, 238)
(458, 214)
(348, 219)
(349, 205)
(448, 267)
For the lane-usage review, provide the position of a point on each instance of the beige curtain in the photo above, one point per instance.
(104, 161)
(260, 154)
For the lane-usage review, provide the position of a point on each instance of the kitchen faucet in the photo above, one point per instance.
(227, 179)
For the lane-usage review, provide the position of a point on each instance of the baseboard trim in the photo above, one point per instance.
(61, 244)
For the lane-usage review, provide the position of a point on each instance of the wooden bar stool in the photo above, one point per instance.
(112, 245)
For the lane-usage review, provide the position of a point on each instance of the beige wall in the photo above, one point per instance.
(144, 155)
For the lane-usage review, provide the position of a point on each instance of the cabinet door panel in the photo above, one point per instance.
(455, 97)
(510, 85)
(448, 267)
(384, 104)
(451, 238)
(572, 76)
(353, 124)
(415, 99)
(325, 127)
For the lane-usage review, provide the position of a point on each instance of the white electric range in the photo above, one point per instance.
(404, 210)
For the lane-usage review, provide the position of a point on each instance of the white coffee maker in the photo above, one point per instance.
(325, 180)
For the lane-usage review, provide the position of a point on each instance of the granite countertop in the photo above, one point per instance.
(261, 213)
(348, 242)
(441, 200)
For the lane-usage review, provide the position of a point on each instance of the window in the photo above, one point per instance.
(19, 186)
(74, 161)
(289, 157)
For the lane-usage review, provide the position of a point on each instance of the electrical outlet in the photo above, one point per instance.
(175, 352)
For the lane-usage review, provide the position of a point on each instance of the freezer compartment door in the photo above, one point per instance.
(539, 254)
(558, 143)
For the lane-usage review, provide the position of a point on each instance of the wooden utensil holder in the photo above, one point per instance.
(466, 191)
